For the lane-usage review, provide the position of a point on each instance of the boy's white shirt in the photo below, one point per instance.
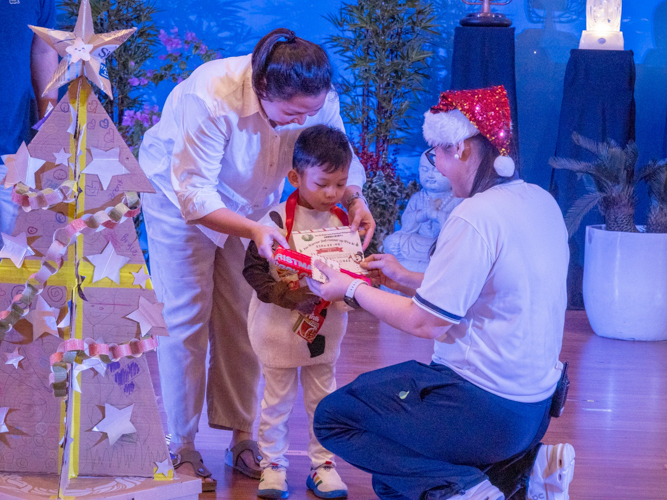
(270, 326)
(215, 148)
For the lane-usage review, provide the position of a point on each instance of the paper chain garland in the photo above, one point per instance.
(72, 350)
(53, 260)
(76, 350)
(30, 200)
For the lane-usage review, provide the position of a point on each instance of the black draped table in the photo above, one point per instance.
(598, 103)
(484, 57)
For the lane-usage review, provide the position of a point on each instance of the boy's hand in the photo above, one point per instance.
(302, 300)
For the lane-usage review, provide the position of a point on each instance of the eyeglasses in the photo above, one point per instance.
(430, 155)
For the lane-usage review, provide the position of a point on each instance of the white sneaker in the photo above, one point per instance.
(552, 473)
(273, 483)
(326, 483)
(482, 491)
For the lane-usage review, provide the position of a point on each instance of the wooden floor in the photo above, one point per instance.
(616, 415)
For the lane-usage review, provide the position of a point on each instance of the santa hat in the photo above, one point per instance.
(462, 114)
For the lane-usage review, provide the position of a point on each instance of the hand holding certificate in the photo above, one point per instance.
(338, 247)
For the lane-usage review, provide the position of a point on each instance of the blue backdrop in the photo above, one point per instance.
(546, 31)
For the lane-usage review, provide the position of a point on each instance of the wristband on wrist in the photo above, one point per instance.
(349, 294)
(353, 197)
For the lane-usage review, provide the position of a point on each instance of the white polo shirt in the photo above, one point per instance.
(499, 275)
(215, 148)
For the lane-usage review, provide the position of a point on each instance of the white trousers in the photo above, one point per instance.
(280, 392)
(205, 301)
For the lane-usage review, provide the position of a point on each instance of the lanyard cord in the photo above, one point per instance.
(290, 210)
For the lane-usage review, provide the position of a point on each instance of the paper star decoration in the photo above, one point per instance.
(140, 278)
(148, 316)
(83, 51)
(116, 423)
(105, 164)
(107, 264)
(3, 416)
(79, 51)
(13, 358)
(62, 158)
(94, 363)
(43, 318)
(21, 167)
(16, 248)
(163, 467)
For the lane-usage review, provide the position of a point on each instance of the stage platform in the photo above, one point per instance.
(616, 415)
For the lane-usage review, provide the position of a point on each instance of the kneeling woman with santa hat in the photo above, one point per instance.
(493, 298)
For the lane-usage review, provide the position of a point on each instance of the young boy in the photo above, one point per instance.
(321, 161)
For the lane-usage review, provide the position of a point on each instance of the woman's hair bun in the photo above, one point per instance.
(284, 66)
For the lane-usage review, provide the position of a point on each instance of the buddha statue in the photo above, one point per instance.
(425, 214)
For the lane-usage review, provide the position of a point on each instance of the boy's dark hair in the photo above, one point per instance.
(322, 145)
(284, 66)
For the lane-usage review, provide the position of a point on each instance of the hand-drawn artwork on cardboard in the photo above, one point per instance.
(77, 308)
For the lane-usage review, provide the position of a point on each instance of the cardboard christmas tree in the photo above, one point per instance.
(78, 414)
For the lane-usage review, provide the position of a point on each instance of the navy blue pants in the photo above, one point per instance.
(422, 431)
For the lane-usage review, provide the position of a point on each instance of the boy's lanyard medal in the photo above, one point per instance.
(308, 326)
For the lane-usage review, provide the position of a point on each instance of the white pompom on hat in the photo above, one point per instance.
(462, 114)
(443, 129)
(504, 165)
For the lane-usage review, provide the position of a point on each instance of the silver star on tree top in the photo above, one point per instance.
(83, 51)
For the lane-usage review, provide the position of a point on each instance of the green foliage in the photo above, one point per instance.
(655, 174)
(383, 46)
(387, 196)
(614, 184)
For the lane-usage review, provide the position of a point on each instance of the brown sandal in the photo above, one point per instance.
(234, 459)
(194, 458)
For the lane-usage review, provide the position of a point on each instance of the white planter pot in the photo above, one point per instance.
(625, 284)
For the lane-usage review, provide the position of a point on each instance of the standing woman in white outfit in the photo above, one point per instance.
(493, 298)
(218, 159)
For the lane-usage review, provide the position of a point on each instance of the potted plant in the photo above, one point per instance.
(383, 46)
(625, 266)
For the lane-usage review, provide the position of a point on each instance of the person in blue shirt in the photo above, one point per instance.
(27, 64)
